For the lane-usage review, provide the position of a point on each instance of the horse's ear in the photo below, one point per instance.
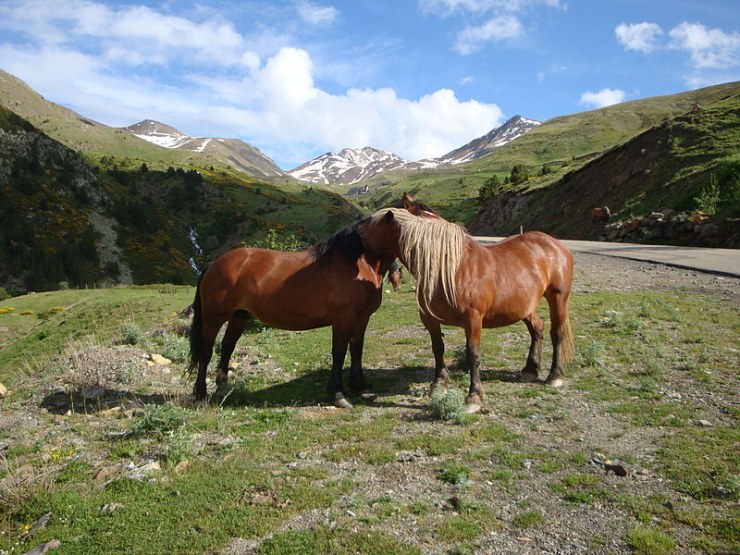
(408, 201)
(388, 218)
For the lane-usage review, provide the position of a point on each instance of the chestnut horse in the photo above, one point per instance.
(395, 276)
(335, 283)
(463, 283)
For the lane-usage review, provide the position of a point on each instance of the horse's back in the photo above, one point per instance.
(535, 253)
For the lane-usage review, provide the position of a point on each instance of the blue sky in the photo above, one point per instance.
(298, 78)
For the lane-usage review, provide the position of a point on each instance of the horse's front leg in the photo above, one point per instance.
(339, 341)
(356, 376)
(441, 374)
(473, 329)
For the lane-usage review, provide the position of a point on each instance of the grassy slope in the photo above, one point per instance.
(665, 167)
(564, 142)
(686, 498)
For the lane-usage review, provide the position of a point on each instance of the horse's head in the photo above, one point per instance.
(395, 276)
(417, 207)
(380, 233)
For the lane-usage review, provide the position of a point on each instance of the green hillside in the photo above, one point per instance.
(66, 221)
(561, 145)
(666, 169)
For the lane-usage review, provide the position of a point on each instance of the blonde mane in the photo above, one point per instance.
(431, 249)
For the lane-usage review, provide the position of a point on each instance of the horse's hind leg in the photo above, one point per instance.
(473, 330)
(560, 334)
(210, 331)
(441, 374)
(532, 366)
(234, 330)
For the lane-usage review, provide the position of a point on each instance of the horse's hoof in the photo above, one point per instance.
(342, 403)
(556, 382)
(528, 377)
(368, 396)
(472, 408)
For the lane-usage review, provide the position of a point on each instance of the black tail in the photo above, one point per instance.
(196, 330)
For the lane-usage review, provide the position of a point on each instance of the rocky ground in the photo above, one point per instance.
(573, 426)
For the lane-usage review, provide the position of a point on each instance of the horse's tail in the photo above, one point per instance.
(196, 330)
(567, 347)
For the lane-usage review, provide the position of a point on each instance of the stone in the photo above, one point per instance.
(3, 390)
(160, 360)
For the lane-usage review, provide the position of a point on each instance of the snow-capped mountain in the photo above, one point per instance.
(348, 166)
(235, 152)
(511, 129)
(353, 165)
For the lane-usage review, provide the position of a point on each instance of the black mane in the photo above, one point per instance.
(347, 239)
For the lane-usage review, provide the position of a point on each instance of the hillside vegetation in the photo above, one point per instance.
(548, 152)
(665, 169)
(65, 220)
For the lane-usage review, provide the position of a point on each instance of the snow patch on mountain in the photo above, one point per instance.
(347, 166)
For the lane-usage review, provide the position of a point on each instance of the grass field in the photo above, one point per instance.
(107, 453)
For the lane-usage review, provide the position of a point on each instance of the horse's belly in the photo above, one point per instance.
(501, 320)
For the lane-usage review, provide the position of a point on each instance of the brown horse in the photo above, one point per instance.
(335, 283)
(463, 283)
(395, 276)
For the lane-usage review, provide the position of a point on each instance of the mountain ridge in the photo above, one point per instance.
(352, 165)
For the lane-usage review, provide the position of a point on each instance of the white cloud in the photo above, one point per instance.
(313, 14)
(448, 7)
(270, 99)
(472, 39)
(708, 48)
(504, 23)
(307, 116)
(602, 98)
(642, 37)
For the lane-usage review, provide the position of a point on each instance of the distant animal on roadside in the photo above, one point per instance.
(463, 283)
(600, 213)
(395, 276)
(335, 283)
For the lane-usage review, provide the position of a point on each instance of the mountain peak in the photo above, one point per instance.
(348, 166)
(234, 152)
(149, 127)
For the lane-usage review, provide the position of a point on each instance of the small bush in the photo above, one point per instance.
(448, 405)
(131, 334)
(88, 364)
(4, 295)
(455, 474)
(159, 419)
(647, 541)
(529, 519)
(175, 348)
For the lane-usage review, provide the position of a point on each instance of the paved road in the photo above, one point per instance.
(720, 261)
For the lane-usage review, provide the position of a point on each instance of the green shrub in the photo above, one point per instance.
(175, 348)
(447, 405)
(159, 419)
(131, 334)
(647, 541)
